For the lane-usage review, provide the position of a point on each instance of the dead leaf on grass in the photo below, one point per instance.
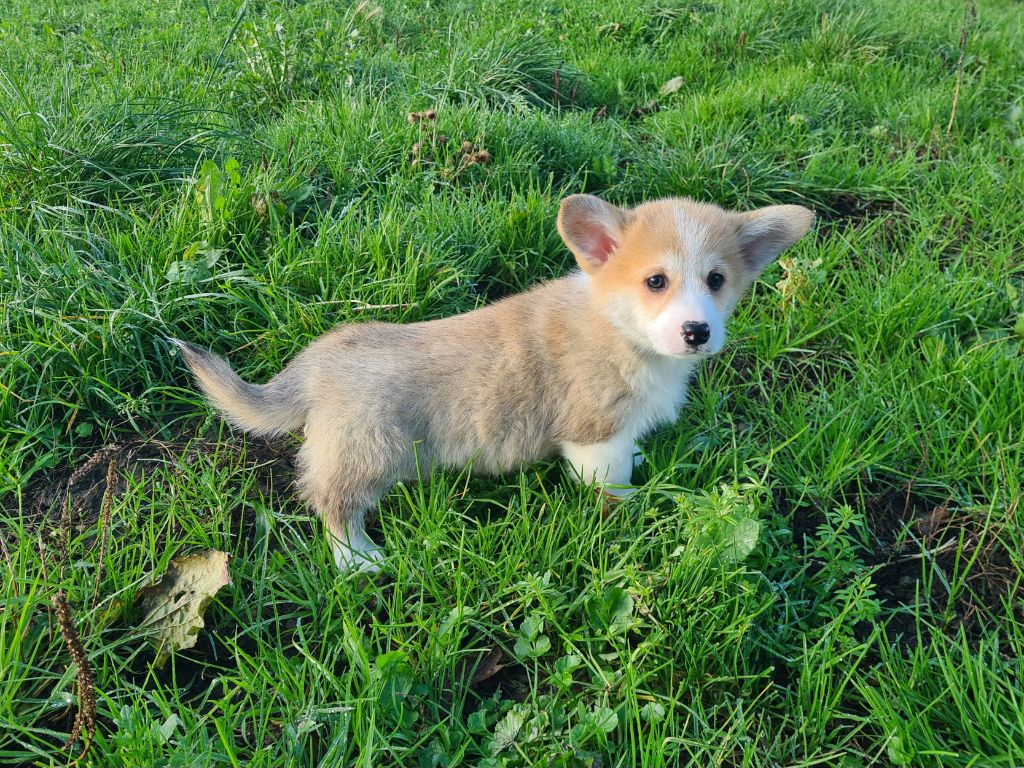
(174, 606)
(934, 524)
(671, 86)
(489, 666)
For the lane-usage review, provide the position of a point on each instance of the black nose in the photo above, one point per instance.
(695, 334)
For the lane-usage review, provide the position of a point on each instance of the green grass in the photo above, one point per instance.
(238, 174)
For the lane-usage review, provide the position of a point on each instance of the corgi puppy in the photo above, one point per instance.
(580, 366)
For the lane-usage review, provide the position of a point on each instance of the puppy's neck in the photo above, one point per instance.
(592, 327)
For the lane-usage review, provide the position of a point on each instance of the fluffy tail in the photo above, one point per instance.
(269, 409)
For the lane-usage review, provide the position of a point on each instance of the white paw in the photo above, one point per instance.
(349, 560)
(357, 554)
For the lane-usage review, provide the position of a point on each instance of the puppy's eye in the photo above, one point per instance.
(656, 282)
(715, 280)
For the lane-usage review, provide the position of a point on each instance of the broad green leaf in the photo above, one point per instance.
(197, 263)
(605, 720)
(531, 627)
(532, 649)
(610, 611)
(745, 534)
(652, 712)
(506, 731)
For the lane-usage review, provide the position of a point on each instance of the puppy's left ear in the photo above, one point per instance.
(592, 229)
(767, 232)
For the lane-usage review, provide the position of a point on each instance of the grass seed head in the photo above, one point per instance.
(85, 679)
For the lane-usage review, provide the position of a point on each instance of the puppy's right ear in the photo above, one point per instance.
(591, 228)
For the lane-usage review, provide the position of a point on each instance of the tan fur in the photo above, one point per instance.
(547, 371)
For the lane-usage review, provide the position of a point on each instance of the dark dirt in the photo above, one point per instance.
(846, 207)
(919, 542)
(847, 211)
(485, 672)
(809, 370)
(77, 491)
(68, 503)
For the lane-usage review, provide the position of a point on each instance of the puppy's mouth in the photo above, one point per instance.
(709, 349)
(687, 353)
(694, 353)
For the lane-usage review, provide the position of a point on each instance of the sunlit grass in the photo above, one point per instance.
(240, 174)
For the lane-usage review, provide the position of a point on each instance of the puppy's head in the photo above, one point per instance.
(669, 273)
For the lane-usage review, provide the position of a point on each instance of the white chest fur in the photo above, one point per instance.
(660, 389)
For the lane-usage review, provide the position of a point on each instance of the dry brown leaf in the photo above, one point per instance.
(174, 606)
(489, 666)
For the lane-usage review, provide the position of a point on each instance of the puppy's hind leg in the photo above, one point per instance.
(353, 550)
(341, 491)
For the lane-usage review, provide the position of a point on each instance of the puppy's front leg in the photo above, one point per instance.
(638, 456)
(609, 465)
